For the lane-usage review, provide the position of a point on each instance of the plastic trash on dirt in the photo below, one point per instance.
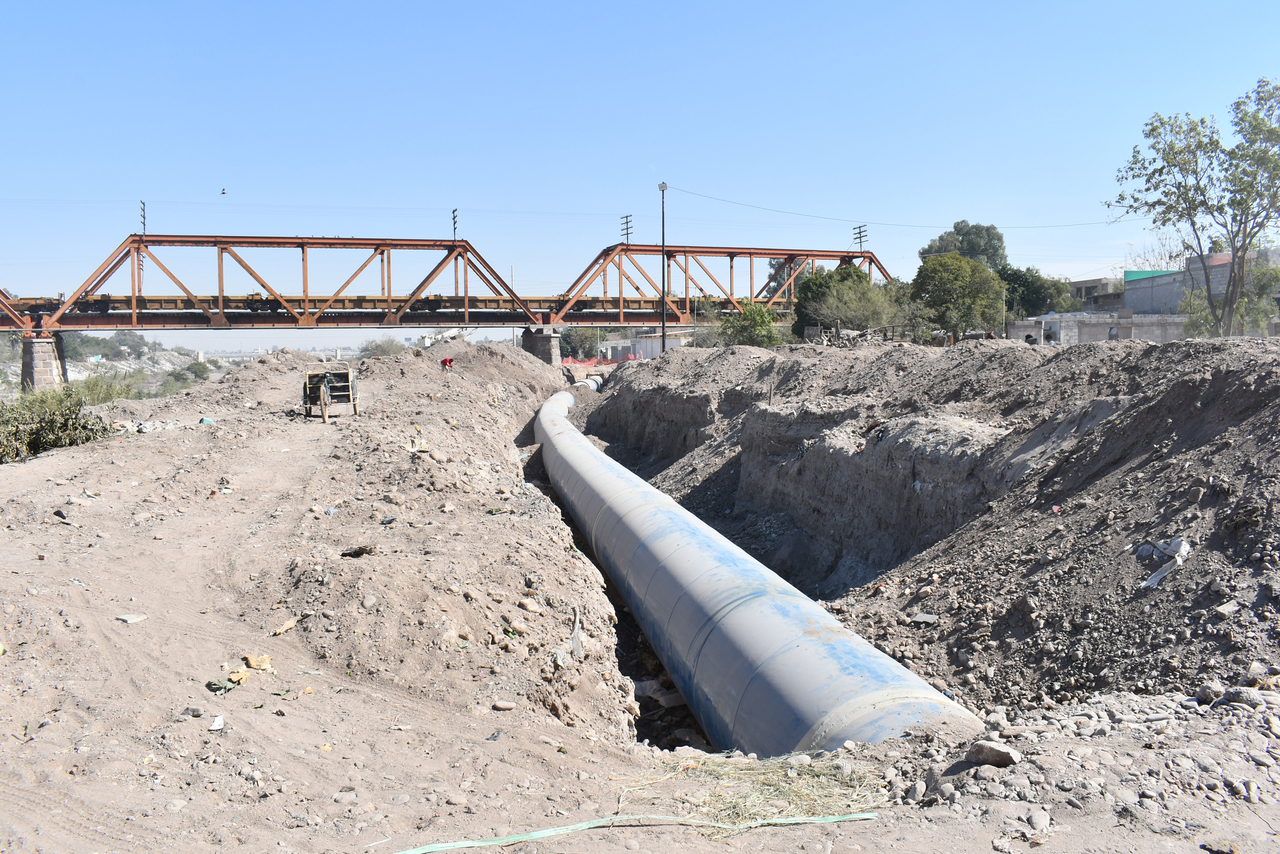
(1177, 549)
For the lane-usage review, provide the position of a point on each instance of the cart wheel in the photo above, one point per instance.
(324, 403)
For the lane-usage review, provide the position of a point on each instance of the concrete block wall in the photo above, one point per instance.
(1158, 329)
(1161, 294)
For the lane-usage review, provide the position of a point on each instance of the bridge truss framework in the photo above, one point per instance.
(496, 303)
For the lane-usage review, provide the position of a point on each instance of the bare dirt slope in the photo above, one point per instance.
(383, 697)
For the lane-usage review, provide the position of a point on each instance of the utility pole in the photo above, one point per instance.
(626, 229)
(860, 236)
(662, 188)
(141, 256)
(455, 225)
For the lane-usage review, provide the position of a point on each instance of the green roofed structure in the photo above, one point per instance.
(1135, 275)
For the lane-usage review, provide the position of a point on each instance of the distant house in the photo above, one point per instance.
(644, 344)
(1099, 294)
(1082, 327)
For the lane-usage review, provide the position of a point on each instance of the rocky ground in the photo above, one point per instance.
(243, 629)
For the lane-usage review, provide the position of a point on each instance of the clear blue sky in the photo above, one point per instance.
(543, 123)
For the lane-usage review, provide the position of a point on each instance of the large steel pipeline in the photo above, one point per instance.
(763, 668)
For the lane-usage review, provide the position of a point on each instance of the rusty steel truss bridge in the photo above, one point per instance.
(480, 296)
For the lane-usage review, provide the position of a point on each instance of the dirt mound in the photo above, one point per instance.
(987, 513)
(457, 555)
(433, 637)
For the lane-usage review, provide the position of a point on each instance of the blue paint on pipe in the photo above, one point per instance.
(763, 668)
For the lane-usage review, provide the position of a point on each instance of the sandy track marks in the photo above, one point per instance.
(62, 820)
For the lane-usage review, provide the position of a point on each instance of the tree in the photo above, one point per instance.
(753, 326)
(1030, 293)
(1194, 182)
(132, 341)
(909, 313)
(579, 342)
(961, 294)
(981, 243)
(384, 346)
(79, 345)
(1257, 302)
(1167, 252)
(844, 296)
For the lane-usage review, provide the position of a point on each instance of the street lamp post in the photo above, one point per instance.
(662, 188)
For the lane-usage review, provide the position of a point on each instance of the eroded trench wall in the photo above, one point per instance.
(869, 455)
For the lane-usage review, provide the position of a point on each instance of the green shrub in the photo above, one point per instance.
(753, 326)
(36, 423)
(384, 346)
(98, 389)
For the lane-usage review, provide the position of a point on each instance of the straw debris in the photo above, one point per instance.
(734, 789)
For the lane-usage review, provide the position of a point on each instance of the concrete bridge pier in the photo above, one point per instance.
(543, 342)
(44, 365)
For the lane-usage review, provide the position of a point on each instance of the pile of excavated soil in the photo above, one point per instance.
(434, 636)
(988, 513)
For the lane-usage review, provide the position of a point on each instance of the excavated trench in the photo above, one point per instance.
(1011, 495)
(827, 494)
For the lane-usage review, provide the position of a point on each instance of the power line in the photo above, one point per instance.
(870, 222)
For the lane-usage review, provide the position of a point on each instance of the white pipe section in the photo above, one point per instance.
(592, 383)
(763, 668)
